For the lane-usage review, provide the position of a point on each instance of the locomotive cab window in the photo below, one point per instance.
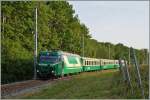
(47, 58)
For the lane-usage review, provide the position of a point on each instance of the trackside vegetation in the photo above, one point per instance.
(123, 89)
(82, 86)
(58, 28)
(94, 85)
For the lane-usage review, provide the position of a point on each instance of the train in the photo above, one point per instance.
(59, 63)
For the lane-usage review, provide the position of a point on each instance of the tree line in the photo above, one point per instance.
(58, 28)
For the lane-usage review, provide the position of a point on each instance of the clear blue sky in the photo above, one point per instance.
(125, 22)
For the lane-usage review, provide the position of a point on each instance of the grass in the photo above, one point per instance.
(91, 85)
(124, 90)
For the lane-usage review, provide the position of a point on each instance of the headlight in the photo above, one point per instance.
(52, 71)
(37, 71)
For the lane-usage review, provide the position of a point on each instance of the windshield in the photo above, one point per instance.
(52, 59)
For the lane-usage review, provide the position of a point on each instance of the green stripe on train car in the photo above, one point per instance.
(110, 66)
(90, 68)
(68, 70)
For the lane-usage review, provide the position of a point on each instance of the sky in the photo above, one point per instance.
(125, 22)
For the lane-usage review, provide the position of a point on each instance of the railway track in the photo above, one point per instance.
(18, 88)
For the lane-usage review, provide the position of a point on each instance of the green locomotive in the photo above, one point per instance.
(59, 63)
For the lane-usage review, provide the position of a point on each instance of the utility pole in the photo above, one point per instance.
(83, 46)
(129, 56)
(35, 44)
(109, 51)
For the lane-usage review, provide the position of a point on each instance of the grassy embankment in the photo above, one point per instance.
(101, 84)
(124, 91)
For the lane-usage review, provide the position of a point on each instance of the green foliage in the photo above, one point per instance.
(58, 28)
(124, 91)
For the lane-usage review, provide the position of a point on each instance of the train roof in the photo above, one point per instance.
(69, 54)
(87, 58)
(58, 52)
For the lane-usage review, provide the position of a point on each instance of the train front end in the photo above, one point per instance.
(47, 64)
